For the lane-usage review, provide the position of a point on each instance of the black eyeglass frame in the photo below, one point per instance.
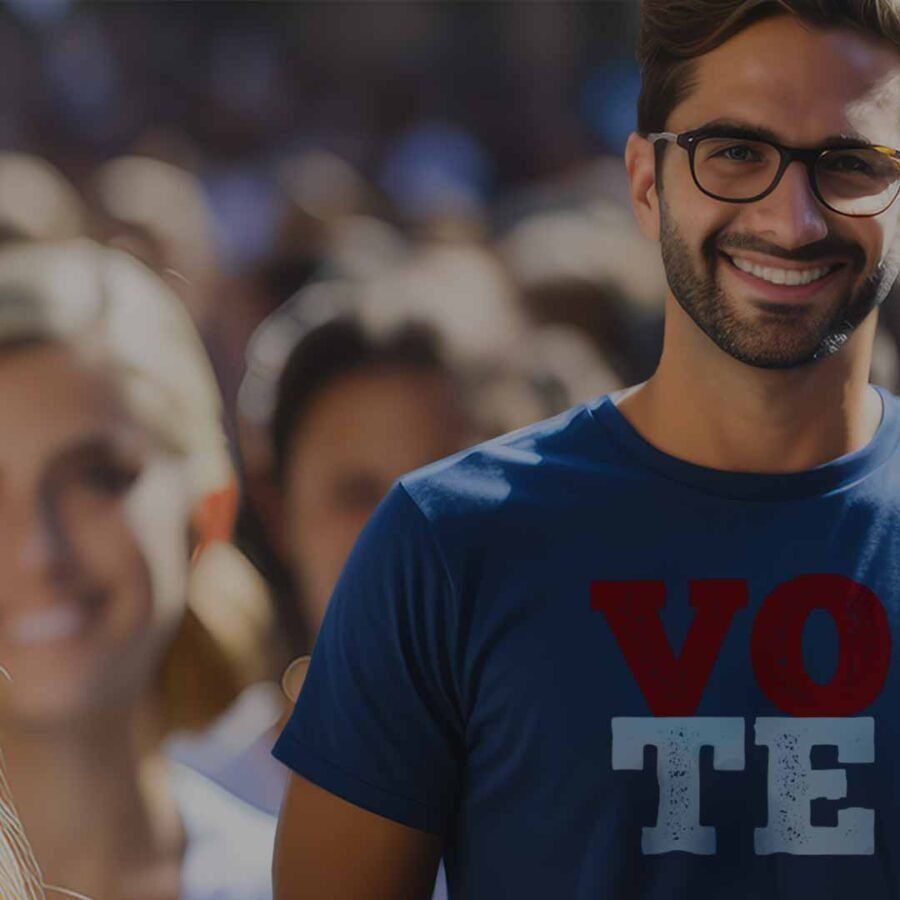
(689, 140)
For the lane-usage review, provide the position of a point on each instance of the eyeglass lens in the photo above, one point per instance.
(855, 182)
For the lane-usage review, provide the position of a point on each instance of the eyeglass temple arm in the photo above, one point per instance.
(662, 136)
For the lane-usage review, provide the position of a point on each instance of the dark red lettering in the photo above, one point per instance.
(671, 686)
(865, 646)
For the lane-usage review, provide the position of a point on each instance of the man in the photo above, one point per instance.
(645, 649)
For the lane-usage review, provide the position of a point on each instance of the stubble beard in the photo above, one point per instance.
(781, 336)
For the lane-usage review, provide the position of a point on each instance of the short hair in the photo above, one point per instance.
(675, 32)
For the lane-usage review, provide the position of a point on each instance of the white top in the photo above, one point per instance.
(236, 751)
(229, 844)
(235, 756)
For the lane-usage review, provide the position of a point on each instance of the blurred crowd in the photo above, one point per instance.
(233, 309)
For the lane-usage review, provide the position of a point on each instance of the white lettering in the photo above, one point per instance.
(678, 742)
(793, 784)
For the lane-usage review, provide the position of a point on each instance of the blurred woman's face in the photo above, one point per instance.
(93, 542)
(359, 434)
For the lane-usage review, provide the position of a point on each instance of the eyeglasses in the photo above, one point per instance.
(860, 181)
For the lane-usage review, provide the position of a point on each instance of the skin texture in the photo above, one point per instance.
(785, 337)
(362, 432)
(746, 383)
(84, 491)
(314, 856)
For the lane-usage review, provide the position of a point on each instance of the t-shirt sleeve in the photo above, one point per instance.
(378, 722)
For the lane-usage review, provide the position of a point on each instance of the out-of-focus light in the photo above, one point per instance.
(40, 12)
(609, 100)
(436, 169)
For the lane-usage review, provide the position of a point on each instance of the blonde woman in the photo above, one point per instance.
(113, 476)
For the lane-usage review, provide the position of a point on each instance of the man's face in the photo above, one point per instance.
(722, 259)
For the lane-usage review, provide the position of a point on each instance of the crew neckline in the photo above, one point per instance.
(756, 486)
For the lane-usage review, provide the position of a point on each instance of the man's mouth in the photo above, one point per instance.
(787, 282)
(783, 276)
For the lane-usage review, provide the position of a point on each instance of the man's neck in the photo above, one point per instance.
(706, 408)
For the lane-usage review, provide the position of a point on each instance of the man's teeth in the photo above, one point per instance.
(63, 620)
(791, 277)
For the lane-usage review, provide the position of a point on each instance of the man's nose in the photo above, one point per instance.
(791, 216)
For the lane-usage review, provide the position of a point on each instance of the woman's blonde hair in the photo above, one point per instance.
(20, 875)
(107, 305)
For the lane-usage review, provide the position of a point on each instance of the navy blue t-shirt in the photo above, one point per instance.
(602, 672)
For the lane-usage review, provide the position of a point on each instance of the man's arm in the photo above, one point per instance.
(381, 686)
(329, 849)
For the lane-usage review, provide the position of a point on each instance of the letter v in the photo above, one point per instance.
(671, 687)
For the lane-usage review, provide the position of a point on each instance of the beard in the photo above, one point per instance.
(786, 336)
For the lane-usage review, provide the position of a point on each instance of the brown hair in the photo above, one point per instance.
(675, 32)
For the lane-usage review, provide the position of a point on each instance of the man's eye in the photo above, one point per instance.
(739, 153)
(847, 163)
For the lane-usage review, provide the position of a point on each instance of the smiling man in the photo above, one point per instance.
(648, 649)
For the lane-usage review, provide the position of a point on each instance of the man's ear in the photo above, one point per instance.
(640, 161)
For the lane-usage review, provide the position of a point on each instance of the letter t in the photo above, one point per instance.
(678, 742)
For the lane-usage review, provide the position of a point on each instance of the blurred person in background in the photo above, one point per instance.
(114, 474)
(355, 409)
(366, 395)
(341, 397)
(458, 283)
(591, 269)
(458, 290)
(37, 202)
(319, 191)
(157, 212)
(331, 224)
(352, 386)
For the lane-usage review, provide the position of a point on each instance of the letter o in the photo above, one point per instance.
(776, 646)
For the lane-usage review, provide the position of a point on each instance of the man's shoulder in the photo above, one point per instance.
(500, 471)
